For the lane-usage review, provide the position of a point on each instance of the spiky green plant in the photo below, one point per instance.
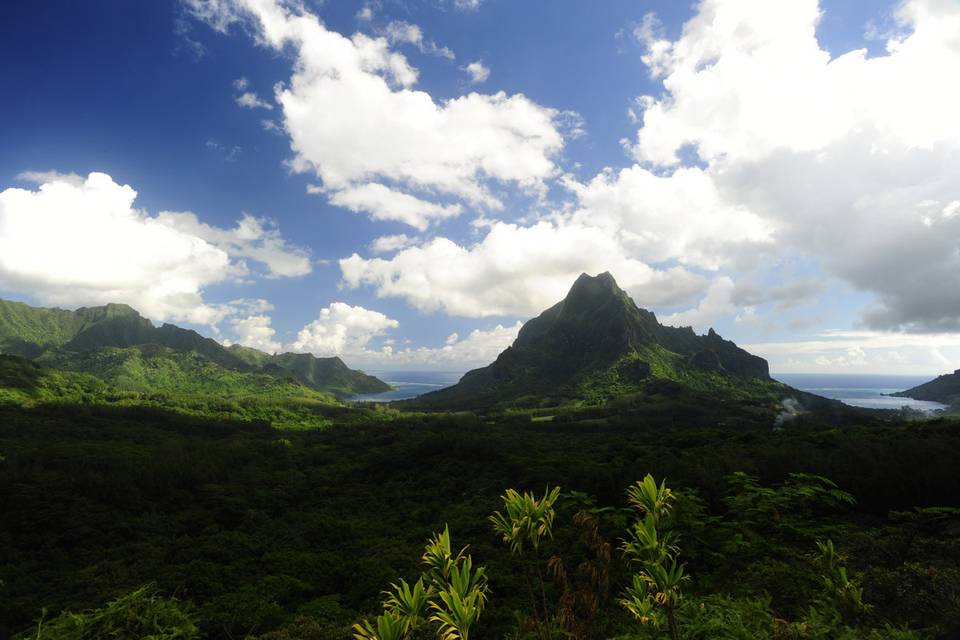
(439, 558)
(528, 520)
(450, 588)
(408, 603)
(839, 590)
(655, 592)
(389, 626)
(461, 601)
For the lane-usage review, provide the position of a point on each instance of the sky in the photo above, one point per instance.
(404, 182)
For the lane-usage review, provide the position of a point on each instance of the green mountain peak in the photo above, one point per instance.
(597, 344)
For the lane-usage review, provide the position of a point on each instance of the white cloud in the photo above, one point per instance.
(715, 305)
(384, 203)
(514, 270)
(43, 177)
(467, 5)
(254, 238)
(850, 159)
(389, 244)
(342, 329)
(365, 14)
(400, 32)
(251, 100)
(80, 241)
(241, 83)
(478, 349)
(863, 352)
(254, 331)
(354, 119)
(73, 244)
(350, 331)
(658, 218)
(477, 71)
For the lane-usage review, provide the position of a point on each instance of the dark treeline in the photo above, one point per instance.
(255, 526)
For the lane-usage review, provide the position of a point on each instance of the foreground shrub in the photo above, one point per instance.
(142, 614)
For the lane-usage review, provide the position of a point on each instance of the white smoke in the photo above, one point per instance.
(791, 409)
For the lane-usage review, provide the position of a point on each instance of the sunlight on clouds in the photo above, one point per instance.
(342, 329)
(349, 331)
(383, 203)
(837, 156)
(354, 121)
(863, 352)
(477, 71)
(81, 241)
(514, 270)
(681, 217)
(254, 238)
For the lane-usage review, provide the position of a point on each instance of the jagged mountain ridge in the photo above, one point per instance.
(598, 332)
(84, 339)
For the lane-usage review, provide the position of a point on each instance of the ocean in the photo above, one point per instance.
(410, 384)
(858, 390)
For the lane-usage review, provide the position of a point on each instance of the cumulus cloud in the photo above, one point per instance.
(258, 239)
(354, 119)
(383, 203)
(73, 242)
(254, 331)
(350, 331)
(715, 305)
(342, 329)
(514, 270)
(750, 294)
(479, 348)
(850, 159)
(477, 71)
(389, 244)
(679, 217)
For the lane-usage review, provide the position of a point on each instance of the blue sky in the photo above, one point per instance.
(785, 179)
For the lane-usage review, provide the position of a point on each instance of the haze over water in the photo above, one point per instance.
(870, 391)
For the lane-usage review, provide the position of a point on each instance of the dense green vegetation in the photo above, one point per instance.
(124, 349)
(283, 403)
(606, 477)
(295, 534)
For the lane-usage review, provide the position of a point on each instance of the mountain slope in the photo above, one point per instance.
(944, 389)
(118, 344)
(595, 345)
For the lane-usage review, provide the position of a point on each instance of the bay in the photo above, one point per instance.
(870, 391)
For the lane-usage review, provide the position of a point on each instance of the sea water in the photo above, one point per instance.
(861, 390)
(410, 384)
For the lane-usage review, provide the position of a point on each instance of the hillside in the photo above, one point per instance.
(595, 346)
(117, 344)
(944, 389)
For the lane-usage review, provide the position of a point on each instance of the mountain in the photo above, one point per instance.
(944, 389)
(595, 345)
(118, 345)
